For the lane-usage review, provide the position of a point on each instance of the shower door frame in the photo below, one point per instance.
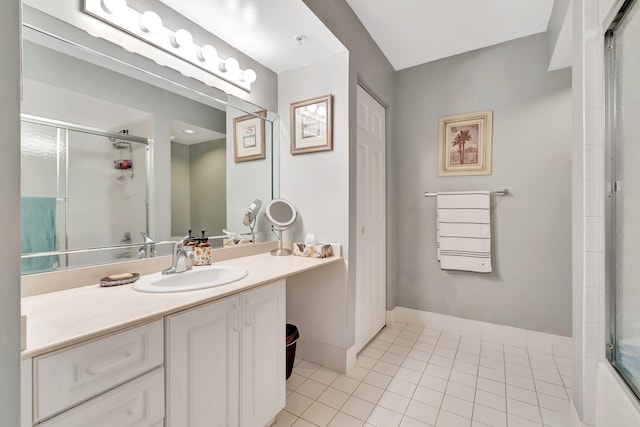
(64, 128)
(612, 188)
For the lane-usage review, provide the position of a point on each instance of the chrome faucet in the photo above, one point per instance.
(148, 248)
(182, 259)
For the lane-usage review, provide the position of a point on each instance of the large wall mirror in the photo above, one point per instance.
(97, 140)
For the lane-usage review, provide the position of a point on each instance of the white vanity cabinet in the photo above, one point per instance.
(225, 361)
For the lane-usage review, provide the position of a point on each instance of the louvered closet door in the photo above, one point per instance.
(370, 219)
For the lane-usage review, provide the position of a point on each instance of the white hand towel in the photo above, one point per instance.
(463, 233)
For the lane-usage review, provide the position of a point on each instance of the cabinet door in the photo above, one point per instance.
(203, 365)
(263, 354)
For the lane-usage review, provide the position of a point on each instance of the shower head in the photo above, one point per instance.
(120, 145)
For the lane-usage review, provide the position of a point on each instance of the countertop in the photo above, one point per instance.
(58, 319)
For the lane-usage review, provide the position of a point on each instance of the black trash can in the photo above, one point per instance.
(292, 338)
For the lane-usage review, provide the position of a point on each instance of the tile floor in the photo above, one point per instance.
(409, 376)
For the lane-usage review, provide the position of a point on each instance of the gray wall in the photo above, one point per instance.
(558, 14)
(531, 283)
(180, 189)
(10, 216)
(208, 187)
(198, 188)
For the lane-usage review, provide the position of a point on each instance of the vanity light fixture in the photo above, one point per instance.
(248, 76)
(181, 38)
(150, 22)
(148, 27)
(113, 6)
(189, 131)
(230, 65)
(207, 53)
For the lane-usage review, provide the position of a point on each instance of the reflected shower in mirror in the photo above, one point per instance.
(63, 165)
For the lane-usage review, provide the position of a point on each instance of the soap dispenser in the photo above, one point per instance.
(201, 249)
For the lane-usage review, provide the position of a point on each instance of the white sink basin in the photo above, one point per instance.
(198, 278)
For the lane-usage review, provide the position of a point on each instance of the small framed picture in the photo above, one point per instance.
(465, 144)
(248, 137)
(311, 125)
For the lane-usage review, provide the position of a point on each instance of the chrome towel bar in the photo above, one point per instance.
(504, 192)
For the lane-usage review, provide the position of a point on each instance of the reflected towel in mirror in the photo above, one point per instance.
(38, 232)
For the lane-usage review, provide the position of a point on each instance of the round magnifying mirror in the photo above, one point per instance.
(282, 215)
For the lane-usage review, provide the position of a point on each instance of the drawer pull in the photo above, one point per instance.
(110, 363)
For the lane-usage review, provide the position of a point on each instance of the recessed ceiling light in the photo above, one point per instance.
(189, 131)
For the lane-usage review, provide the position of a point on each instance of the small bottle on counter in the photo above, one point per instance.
(201, 249)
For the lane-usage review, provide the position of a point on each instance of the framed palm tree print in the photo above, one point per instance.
(465, 144)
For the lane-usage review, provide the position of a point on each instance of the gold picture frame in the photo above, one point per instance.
(311, 125)
(465, 144)
(248, 137)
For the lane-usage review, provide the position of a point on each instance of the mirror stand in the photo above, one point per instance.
(281, 251)
(281, 214)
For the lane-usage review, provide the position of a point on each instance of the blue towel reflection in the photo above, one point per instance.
(38, 232)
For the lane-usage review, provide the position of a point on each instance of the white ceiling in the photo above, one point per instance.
(200, 134)
(409, 32)
(412, 32)
(562, 55)
(264, 29)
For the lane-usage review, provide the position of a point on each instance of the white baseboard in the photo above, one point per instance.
(574, 418)
(343, 360)
(350, 361)
(507, 335)
(616, 405)
(324, 354)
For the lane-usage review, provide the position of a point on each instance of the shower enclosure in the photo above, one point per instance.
(81, 189)
(623, 193)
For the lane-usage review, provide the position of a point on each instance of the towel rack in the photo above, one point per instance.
(493, 193)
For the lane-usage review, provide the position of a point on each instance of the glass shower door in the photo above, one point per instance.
(623, 84)
(83, 195)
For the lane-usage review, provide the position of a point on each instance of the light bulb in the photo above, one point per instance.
(113, 6)
(207, 53)
(312, 108)
(248, 76)
(322, 111)
(150, 22)
(181, 38)
(230, 65)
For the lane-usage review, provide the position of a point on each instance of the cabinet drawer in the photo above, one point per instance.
(73, 375)
(139, 403)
